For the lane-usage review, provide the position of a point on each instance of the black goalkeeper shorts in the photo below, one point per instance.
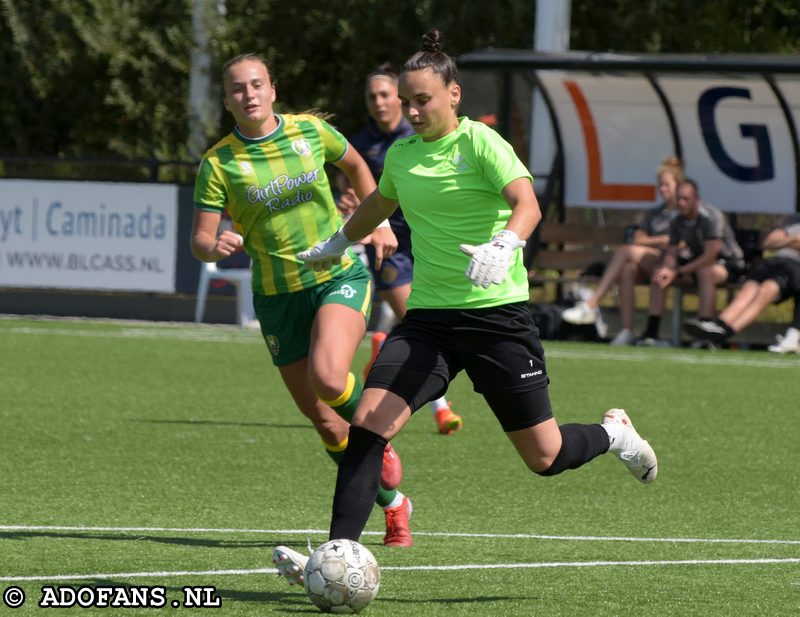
(498, 347)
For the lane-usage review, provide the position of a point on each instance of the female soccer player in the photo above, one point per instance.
(269, 175)
(468, 199)
(393, 279)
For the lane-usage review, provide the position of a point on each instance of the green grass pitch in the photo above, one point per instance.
(169, 455)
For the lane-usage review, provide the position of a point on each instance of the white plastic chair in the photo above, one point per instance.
(239, 277)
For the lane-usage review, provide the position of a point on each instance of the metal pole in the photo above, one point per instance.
(552, 29)
(204, 103)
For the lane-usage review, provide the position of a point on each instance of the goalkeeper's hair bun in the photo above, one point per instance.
(432, 56)
(432, 41)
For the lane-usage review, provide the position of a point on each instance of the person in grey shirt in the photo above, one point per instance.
(702, 251)
(770, 282)
(634, 262)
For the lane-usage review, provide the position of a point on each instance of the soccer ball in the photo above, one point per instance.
(342, 576)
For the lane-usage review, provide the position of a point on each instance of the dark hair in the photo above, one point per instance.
(245, 58)
(384, 70)
(691, 183)
(432, 56)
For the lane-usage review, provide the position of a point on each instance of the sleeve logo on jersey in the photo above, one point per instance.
(302, 147)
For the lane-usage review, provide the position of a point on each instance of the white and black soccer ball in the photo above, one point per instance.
(342, 576)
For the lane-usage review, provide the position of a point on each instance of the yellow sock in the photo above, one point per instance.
(345, 404)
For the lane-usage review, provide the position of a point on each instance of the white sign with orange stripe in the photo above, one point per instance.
(731, 131)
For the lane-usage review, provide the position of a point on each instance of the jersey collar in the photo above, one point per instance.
(258, 140)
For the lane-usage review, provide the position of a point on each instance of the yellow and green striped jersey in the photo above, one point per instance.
(277, 194)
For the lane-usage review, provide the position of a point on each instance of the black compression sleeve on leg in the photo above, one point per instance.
(356, 484)
(580, 443)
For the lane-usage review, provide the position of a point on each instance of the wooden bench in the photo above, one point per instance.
(563, 253)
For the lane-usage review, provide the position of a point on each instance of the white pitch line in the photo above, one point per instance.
(596, 564)
(121, 575)
(444, 534)
(676, 356)
(420, 568)
(228, 334)
(605, 538)
(194, 336)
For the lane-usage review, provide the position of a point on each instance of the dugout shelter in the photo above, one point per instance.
(612, 118)
(733, 119)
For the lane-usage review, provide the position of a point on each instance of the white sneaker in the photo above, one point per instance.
(624, 337)
(789, 343)
(290, 564)
(601, 326)
(651, 342)
(632, 450)
(580, 314)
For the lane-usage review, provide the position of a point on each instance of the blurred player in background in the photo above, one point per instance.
(468, 200)
(269, 175)
(393, 278)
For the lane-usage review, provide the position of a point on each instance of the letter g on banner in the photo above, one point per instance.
(764, 168)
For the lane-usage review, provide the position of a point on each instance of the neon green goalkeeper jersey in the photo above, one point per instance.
(278, 196)
(451, 191)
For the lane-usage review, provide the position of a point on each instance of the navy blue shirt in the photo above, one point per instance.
(372, 143)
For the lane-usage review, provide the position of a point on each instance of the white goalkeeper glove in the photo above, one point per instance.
(490, 261)
(323, 255)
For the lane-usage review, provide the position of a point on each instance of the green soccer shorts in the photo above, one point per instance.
(286, 319)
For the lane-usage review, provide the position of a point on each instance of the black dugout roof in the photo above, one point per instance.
(609, 61)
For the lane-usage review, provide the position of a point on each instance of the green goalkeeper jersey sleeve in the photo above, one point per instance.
(451, 191)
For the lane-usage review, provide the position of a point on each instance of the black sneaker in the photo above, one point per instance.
(704, 344)
(707, 329)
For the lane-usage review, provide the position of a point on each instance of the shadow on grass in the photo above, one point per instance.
(132, 536)
(222, 423)
(474, 600)
(290, 601)
(295, 601)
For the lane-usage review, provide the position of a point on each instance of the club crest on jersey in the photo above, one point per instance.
(302, 147)
(460, 163)
(272, 343)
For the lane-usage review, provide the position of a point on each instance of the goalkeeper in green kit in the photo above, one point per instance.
(468, 200)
